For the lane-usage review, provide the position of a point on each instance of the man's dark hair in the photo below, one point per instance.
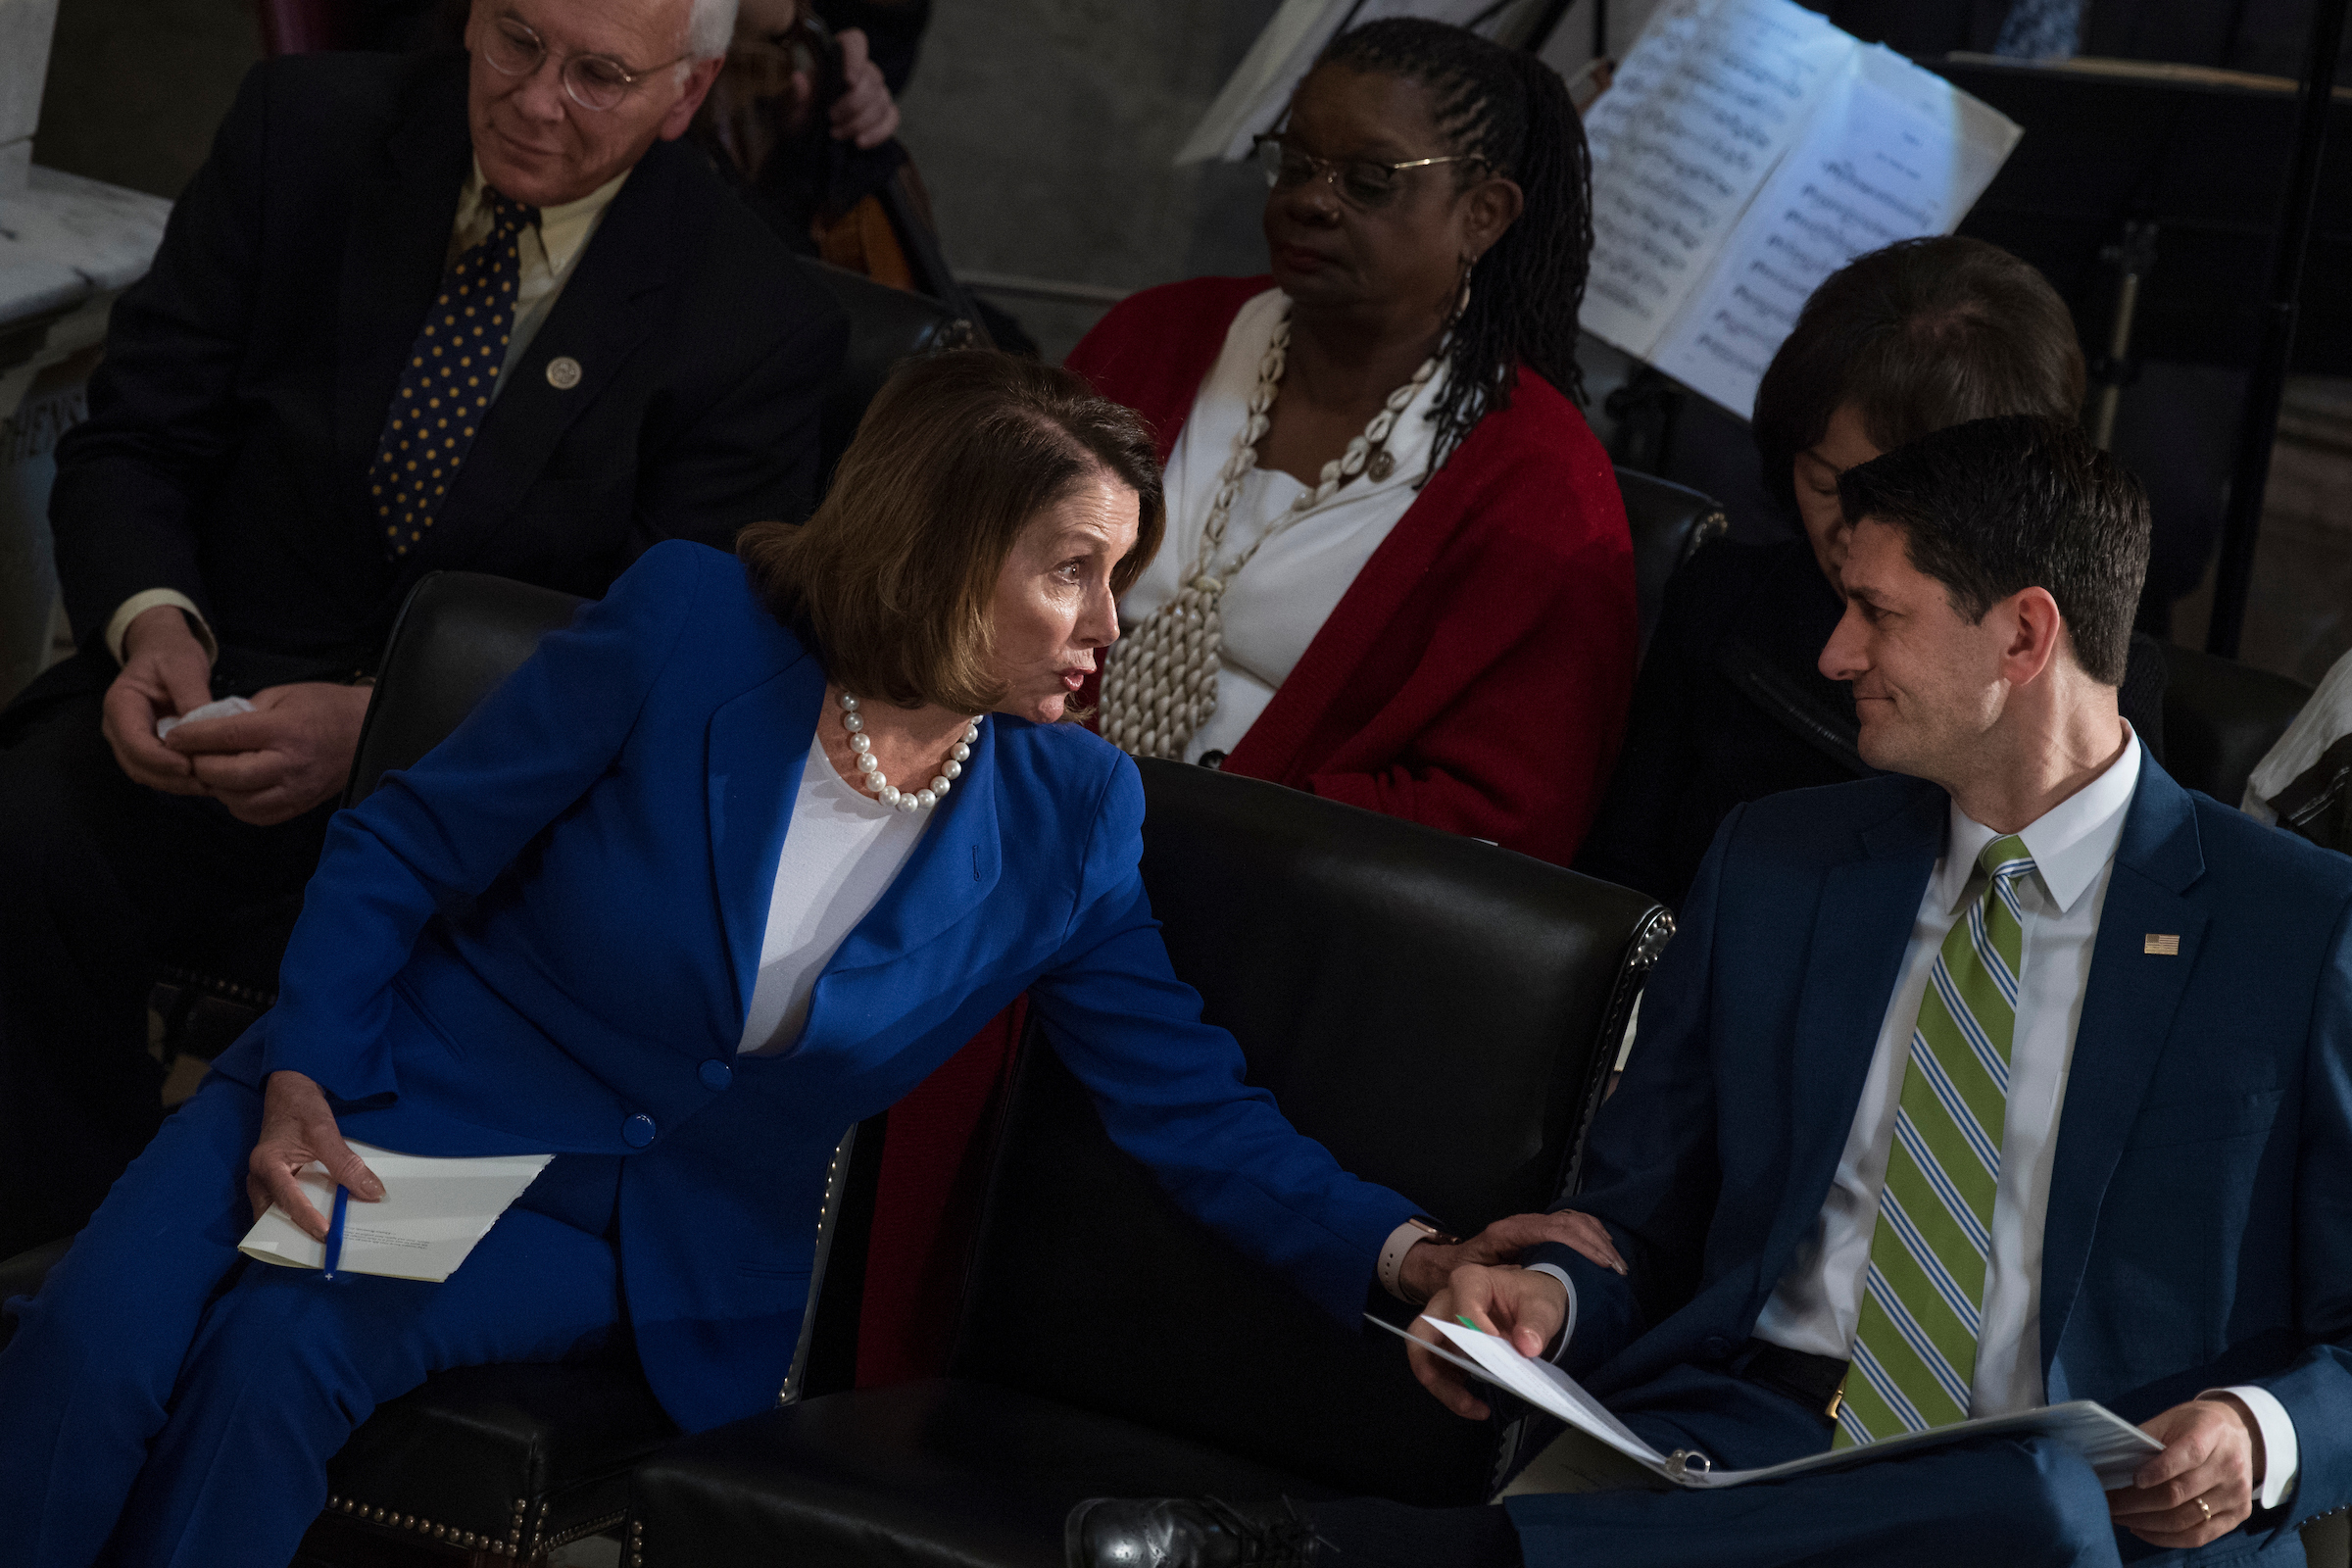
(1511, 112)
(1994, 506)
(1921, 334)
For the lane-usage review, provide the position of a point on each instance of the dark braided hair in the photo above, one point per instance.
(1511, 112)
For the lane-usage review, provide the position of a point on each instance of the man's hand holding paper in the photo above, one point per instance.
(166, 672)
(291, 752)
(2202, 1486)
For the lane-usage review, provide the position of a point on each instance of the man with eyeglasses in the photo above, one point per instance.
(444, 311)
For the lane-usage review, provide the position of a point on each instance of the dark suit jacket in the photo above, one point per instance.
(247, 377)
(2199, 1228)
(1732, 705)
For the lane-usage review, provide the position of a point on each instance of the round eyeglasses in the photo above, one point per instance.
(1362, 182)
(593, 82)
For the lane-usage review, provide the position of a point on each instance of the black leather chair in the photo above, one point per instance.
(209, 991)
(1441, 1014)
(2220, 716)
(1669, 525)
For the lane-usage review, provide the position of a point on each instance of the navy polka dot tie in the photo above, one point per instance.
(445, 387)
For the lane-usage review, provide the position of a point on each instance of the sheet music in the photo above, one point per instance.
(1707, 103)
(1892, 153)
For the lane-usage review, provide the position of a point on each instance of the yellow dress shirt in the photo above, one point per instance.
(550, 252)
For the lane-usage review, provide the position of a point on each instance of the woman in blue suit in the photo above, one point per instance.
(729, 866)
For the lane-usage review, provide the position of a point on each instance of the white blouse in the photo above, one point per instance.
(840, 851)
(1280, 601)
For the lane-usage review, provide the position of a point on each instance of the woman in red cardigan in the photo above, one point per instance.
(1397, 570)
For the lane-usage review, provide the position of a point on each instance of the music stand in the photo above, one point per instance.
(2211, 160)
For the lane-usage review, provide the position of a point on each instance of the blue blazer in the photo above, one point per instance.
(2199, 1230)
(545, 935)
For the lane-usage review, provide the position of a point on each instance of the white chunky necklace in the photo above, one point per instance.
(883, 790)
(1159, 682)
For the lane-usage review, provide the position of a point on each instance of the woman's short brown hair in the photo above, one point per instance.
(892, 581)
(1920, 335)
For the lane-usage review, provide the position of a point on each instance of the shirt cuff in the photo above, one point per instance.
(139, 603)
(1567, 1324)
(2281, 1456)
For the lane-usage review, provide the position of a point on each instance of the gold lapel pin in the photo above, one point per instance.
(2163, 943)
(562, 373)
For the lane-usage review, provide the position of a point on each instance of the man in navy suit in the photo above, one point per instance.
(2020, 1076)
(597, 346)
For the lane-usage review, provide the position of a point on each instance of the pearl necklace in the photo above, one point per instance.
(883, 790)
(1159, 682)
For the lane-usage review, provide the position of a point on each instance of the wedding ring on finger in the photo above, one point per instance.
(2207, 1507)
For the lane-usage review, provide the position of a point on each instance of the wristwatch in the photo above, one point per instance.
(1416, 1229)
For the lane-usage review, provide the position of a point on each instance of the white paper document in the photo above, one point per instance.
(2114, 1448)
(432, 1212)
(1747, 150)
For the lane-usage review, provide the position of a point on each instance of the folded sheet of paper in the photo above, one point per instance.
(197, 715)
(432, 1212)
(1745, 151)
(2112, 1445)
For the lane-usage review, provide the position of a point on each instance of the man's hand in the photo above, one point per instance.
(292, 751)
(165, 675)
(2201, 1487)
(1526, 1308)
(865, 112)
(297, 1128)
(1428, 1266)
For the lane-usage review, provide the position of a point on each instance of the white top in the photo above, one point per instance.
(841, 850)
(2325, 716)
(1818, 1301)
(1275, 606)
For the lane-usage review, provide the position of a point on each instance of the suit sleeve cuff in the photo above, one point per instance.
(118, 623)
(1559, 1346)
(2281, 1455)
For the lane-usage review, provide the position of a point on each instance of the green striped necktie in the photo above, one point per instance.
(1914, 1346)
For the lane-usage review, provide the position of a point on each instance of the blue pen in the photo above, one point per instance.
(334, 1231)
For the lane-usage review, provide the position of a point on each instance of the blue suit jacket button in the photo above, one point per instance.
(1718, 1347)
(637, 1131)
(715, 1074)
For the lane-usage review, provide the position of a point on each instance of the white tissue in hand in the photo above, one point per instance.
(220, 710)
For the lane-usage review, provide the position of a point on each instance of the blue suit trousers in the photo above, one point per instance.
(167, 1401)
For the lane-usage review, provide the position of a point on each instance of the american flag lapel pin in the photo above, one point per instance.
(2162, 944)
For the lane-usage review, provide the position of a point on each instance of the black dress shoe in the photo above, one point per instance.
(1186, 1533)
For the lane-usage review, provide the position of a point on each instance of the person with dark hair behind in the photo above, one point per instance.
(2012, 1076)
(1730, 707)
(1399, 573)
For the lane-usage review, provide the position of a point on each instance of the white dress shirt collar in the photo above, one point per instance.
(561, 230)
(2071, 843)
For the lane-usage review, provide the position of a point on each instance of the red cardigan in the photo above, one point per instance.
(1476, 675)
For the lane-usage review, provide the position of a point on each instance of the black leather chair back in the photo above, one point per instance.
(460, 634)
(2220, 716)
(1439, 1012)
(886, 327)
(1669, 524)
